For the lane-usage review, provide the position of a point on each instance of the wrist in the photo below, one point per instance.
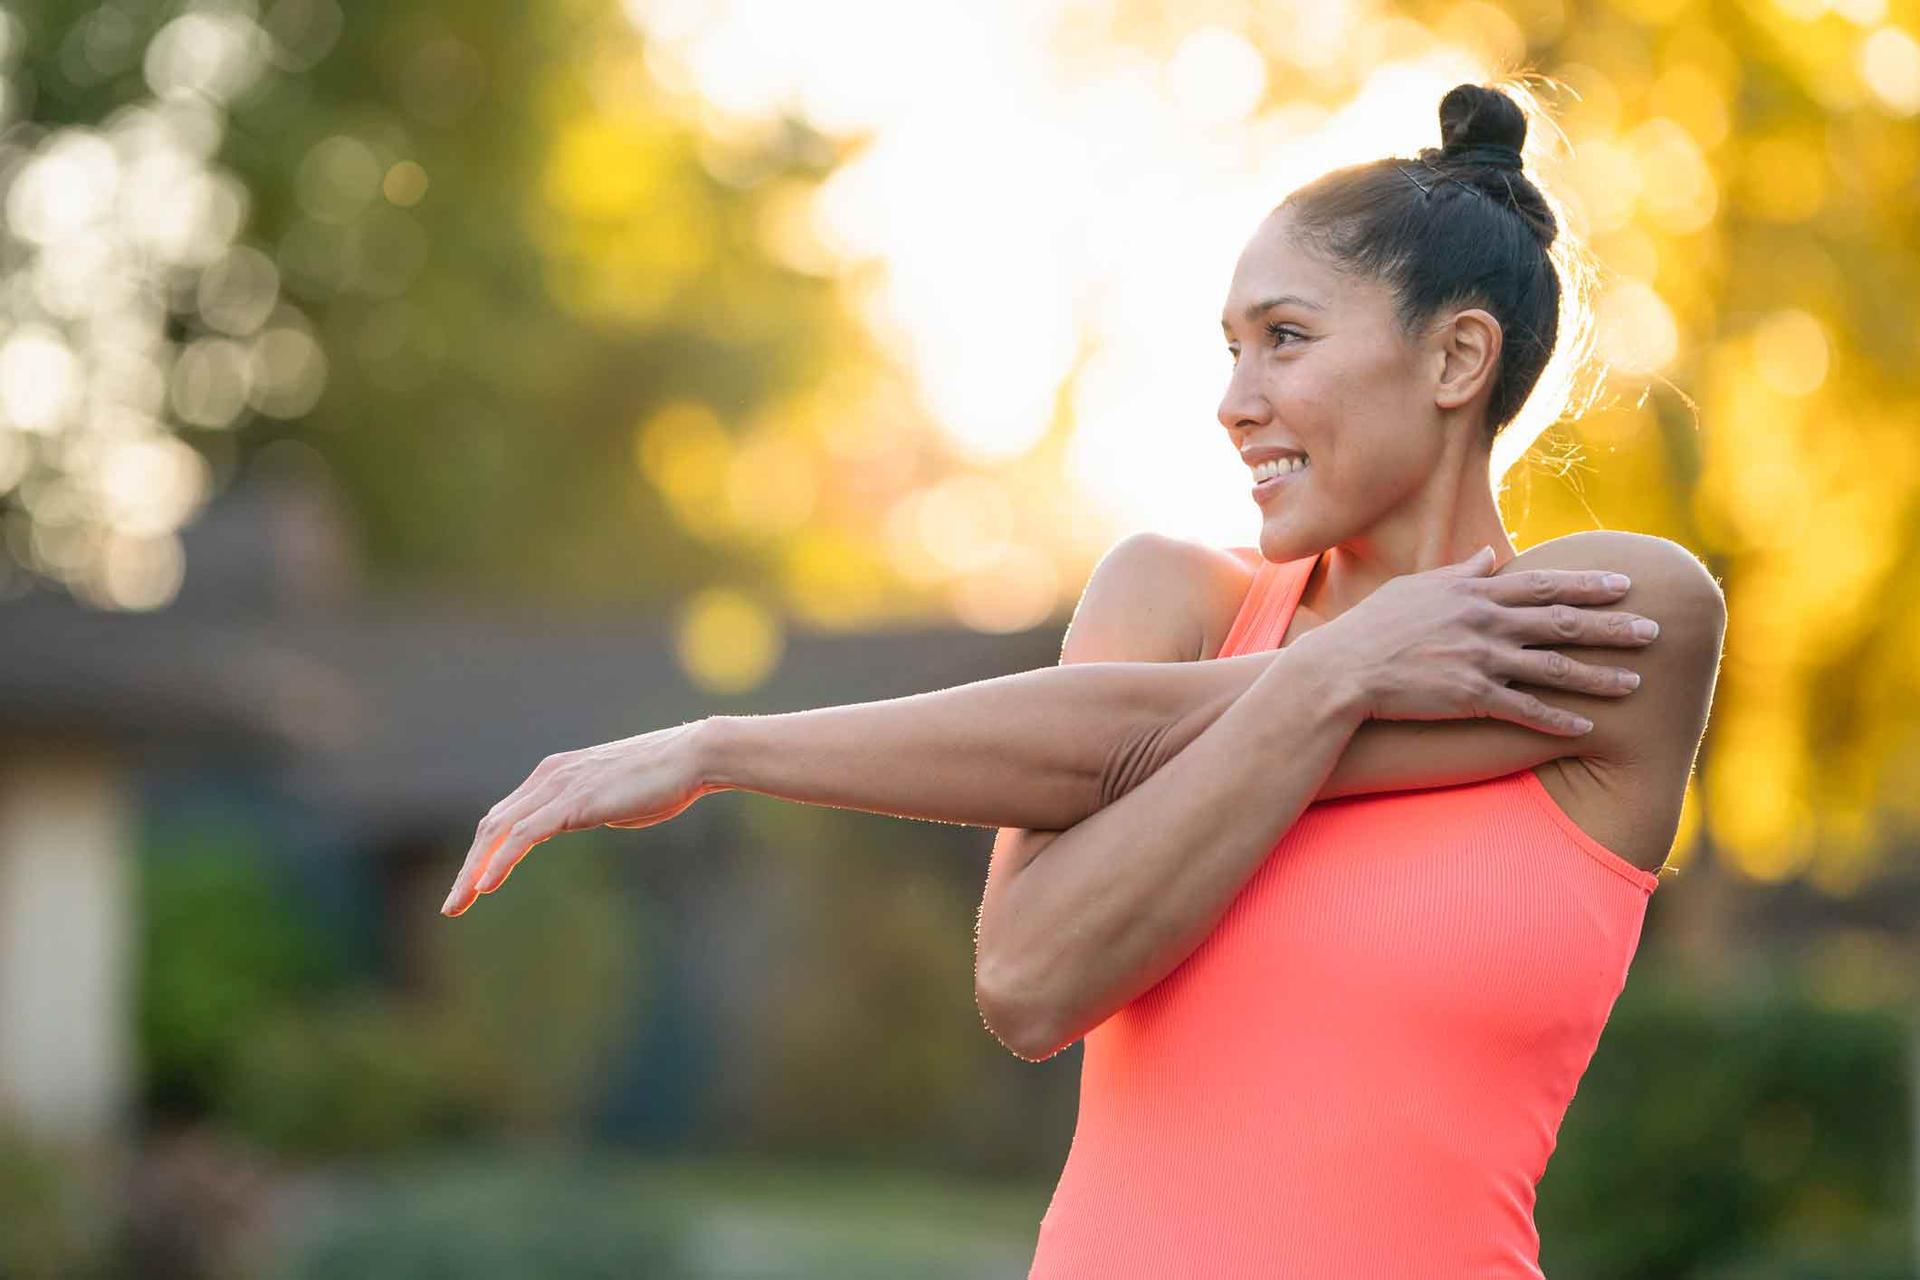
(717, 753)
(1329, 673)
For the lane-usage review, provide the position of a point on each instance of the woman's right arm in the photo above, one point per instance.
(1075, 923)
(1121, 898)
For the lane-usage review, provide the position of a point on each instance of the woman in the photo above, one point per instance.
(1322, 1039)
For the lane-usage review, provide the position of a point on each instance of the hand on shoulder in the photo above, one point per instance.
(1665, 717)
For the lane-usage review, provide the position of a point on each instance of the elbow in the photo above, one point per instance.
(1016, 1013)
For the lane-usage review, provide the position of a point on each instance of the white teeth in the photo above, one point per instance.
(1278, 466)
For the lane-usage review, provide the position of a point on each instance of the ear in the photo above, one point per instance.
(1469, 347)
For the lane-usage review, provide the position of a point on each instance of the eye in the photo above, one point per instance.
(1275, 333)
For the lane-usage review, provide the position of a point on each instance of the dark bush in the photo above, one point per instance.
(1732, 1138)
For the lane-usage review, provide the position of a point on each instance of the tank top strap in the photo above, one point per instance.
(1268, 605)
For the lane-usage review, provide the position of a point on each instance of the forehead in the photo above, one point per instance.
(1275, 264)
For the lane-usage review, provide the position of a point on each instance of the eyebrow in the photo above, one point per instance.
(1267, 304)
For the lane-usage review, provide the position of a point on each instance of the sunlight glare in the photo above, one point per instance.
(1054, 232)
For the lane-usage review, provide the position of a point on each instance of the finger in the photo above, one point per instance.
(493, 831)
(1570, 624)
(487, 833)
(1557, 586)
(1524, 709)
(1550, 668)
(534, 829)
(485, 836)
(1474, 566)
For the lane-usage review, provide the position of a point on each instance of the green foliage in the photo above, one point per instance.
(246, 1014)
(528, 1216)
(529, 990)
(43, 1214)
(1755, 1132)
(563, 253)
(873, 1046)
(489, 355)
(224, 951)
(349, 1076)
(498, 1224)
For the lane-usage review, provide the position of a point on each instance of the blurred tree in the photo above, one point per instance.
(563, 360)
(557, 331)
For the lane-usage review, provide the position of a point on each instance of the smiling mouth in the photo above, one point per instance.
(1277, 478)
(1286, 465)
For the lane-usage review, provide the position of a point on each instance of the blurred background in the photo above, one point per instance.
(391, 395)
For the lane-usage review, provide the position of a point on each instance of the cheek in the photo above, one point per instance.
(1337, 389)
(1362, 413)
(1365, 463)
(1382, 454)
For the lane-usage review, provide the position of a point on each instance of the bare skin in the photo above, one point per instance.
(1050, 747)
(1153, 776)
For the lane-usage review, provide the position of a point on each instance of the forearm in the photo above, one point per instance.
(1115, 903)
(1039, 749)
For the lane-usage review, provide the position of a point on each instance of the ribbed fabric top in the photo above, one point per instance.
(1361, 1071)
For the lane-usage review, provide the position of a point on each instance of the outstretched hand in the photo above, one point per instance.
(635, 782)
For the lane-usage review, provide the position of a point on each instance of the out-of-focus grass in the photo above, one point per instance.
(556, 1216)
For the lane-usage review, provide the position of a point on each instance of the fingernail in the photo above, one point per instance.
(1631, 679)
(1646, 628)
(1582, 724)
(451, 895)
(1618, 582)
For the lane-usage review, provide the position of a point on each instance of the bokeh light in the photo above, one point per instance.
(727, 641)
(130, 308)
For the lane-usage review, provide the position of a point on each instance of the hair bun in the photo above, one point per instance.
(1481, 125)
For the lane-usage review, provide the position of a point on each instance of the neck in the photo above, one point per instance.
(1447, 521)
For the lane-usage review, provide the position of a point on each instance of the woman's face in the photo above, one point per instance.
(1325, 373)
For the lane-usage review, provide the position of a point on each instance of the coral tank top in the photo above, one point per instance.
(1361, 1071)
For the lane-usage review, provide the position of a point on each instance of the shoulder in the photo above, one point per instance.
(1662, 567)
(1157, 598)
(1660, 722)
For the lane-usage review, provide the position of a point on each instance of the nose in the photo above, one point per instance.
(1242, 406)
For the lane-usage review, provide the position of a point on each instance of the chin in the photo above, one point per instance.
(1280, 542)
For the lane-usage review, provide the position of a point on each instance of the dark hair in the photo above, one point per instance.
(1460, 223)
